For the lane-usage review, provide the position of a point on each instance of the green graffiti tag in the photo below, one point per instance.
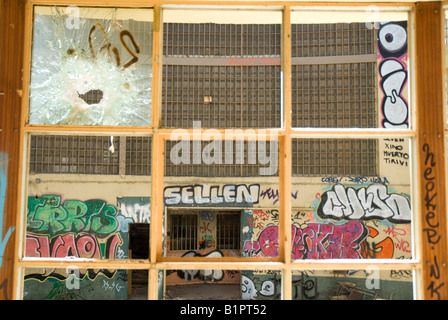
(49, 215)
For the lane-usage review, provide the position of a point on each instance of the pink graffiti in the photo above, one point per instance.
(315, 241)
(80, 246)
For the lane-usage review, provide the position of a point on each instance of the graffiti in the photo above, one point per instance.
(112, 286)
(394, 153)
(392, 46)
(357, 180)
(3, 184)
(108, 46)
(273, 194)
(207, 216)
(74, 90)
(197, 195)
(372, 202)
(72, 228)
(431, 223)
(270, 288)
(260, 217)
(62, 275)
(61, 292)
(396, 234)
(328, 241)
(400, 274)
(265, 214)
(373, 249)
(249, 292)
(315, 241)
(204, 275)
(81, 246)
(205, 228)
(46, 214)
(136, 208)
(206, 241)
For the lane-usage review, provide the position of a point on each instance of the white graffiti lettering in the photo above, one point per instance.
(372, 202)
(209, 195)
(138, 213)
(392, 43)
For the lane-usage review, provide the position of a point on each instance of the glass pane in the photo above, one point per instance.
(349, 69)
(353, 199)
(88, 197)
(219, 196)
(72, 283)
(369, 284)
(222, 68)
(222, 285)
(91, 66)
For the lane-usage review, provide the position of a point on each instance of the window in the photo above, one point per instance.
(228, 230)
(183, 232)
(224, 73)
(106, 155)
(90, 47)
(334, 74)
(313, 178)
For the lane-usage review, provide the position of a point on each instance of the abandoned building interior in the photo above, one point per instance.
(259, 150)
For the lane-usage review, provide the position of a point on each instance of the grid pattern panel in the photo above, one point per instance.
(138, 156)
(242, 159)
(204, 86)
(338, 39)
(224, 40)
(334, 95)
(183, 232)
(342, 157)
(228, 231)
(90, 155)
(73, 154)
(221, 96)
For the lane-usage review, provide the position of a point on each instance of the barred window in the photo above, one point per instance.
(228, 230)
(183, 232)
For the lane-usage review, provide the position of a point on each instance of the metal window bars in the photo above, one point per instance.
(183, 232)
(228, 230)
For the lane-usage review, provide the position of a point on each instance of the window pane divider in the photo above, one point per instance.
(285, 134)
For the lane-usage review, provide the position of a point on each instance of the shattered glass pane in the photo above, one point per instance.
(91, 66)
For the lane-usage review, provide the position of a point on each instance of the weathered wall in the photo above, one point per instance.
(59, 226)
(332, 217)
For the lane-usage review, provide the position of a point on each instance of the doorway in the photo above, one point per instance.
(138, 249)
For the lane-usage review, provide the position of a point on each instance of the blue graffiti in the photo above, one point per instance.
(3, 184)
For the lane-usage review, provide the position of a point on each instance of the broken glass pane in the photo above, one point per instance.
(91, 66)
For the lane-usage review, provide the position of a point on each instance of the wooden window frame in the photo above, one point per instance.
(425, 133)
